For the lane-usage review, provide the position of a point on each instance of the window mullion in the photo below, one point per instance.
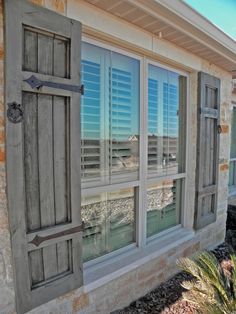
(142, 195)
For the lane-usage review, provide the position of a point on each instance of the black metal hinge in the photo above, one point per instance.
(40, 239)
(34, 82)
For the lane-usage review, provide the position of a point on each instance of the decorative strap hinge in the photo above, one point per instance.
(34, 82)
(40, 239)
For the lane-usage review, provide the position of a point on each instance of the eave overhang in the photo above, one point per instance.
(178, 23)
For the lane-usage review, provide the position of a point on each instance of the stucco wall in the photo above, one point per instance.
(110, 295)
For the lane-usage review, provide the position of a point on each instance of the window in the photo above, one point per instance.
(166, 147)
(109, 117)
(109, 222)
(232, 165)
(110, 149)
(133, 169)
(163, 206)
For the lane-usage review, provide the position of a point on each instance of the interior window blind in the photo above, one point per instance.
(163, 121)
(153, 150)
(170, 124)
(121, 102)
(90, 121)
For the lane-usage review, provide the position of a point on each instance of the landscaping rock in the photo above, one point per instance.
(167, 298)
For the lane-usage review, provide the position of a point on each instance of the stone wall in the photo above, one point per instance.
(6, 277)
(127, 287)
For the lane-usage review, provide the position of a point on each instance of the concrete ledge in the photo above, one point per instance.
(104, 272)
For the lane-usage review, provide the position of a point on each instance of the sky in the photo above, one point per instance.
(220, 12)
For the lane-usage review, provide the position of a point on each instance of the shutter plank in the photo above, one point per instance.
(45, 151)
(30, 51)
(50, 261)
(46, 179)
(45, 54)
(31, 161)
(36, 267)
(60, 160)
(60, 58)
(63, 257)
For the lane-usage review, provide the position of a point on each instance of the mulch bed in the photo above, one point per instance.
(167, 298)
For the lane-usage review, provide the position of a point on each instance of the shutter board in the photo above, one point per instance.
(43, 153)
(207, 149)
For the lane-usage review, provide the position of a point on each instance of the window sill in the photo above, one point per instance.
(103, 272)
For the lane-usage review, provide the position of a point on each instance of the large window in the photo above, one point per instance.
(132, 151)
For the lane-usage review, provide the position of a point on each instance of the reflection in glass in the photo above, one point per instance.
(109, 222)
(165, 105)
(109, 117)
(163, 206)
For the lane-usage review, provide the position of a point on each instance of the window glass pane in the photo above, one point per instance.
(109, 222)
(166, 102)
(109, 117)
(124, 109)
(232, 173)
(163, 206)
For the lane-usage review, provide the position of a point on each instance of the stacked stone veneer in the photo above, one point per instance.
(128, 287)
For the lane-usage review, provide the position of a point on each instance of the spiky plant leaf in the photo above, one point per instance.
(213, 290)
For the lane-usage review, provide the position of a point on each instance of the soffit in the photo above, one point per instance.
(179, 24)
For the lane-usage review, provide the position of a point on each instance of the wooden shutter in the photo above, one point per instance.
(43, 152)
(207, 149)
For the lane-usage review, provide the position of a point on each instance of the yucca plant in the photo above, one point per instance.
(213, 287)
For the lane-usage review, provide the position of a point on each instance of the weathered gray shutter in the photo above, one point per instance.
(43, 152)
(207, 149)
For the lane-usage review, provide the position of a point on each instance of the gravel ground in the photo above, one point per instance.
(167, 298)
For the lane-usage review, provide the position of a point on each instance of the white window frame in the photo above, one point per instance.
(140, 185)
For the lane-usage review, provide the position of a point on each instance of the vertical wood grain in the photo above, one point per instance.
(30, 51)
(45, 54)
(31, 161)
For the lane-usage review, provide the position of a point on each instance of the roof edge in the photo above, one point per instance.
(187, 20)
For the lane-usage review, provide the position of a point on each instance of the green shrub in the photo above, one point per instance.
(213, 287)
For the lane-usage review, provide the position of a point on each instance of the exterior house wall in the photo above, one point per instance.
(234, 98)
(107, 295)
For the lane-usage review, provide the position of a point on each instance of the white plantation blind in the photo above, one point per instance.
(163, 121)
(154, 156)
(109, 117)
(121, 110)
(90, 121)
(170, 123)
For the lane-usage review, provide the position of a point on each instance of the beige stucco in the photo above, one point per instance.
(131, 282)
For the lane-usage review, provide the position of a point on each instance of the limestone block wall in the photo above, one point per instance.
(131, 284)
